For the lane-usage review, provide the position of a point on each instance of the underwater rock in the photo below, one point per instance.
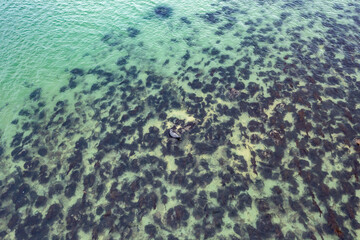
(163, 11)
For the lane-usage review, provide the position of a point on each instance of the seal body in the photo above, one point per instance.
(173, 134)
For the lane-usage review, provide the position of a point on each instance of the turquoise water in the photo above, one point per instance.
(264, 96)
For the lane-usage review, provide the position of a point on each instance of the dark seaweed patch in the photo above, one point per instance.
(52, 213)
(77, 71)
(132, 32)
(185, 20)
(42, 151)
(70, 190)
(163, 11)
(40, 201)
(35, 95)
(14, 220)
(81, 144)
(206, 148)
(151, 230)
(121, 61)
(212, 17)
(176, 216)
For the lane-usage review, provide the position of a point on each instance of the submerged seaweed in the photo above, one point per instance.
(269, 130)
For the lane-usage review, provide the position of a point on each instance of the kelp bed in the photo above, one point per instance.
(270, 128)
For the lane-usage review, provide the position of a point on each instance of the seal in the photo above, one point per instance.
(173, 134)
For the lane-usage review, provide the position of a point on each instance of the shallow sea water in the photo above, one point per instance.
(264, 94)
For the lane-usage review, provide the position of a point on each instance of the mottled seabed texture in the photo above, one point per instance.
(264, 94)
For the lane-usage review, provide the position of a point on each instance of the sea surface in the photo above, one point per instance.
(180, 119)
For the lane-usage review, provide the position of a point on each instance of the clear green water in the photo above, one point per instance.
(282, 163)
